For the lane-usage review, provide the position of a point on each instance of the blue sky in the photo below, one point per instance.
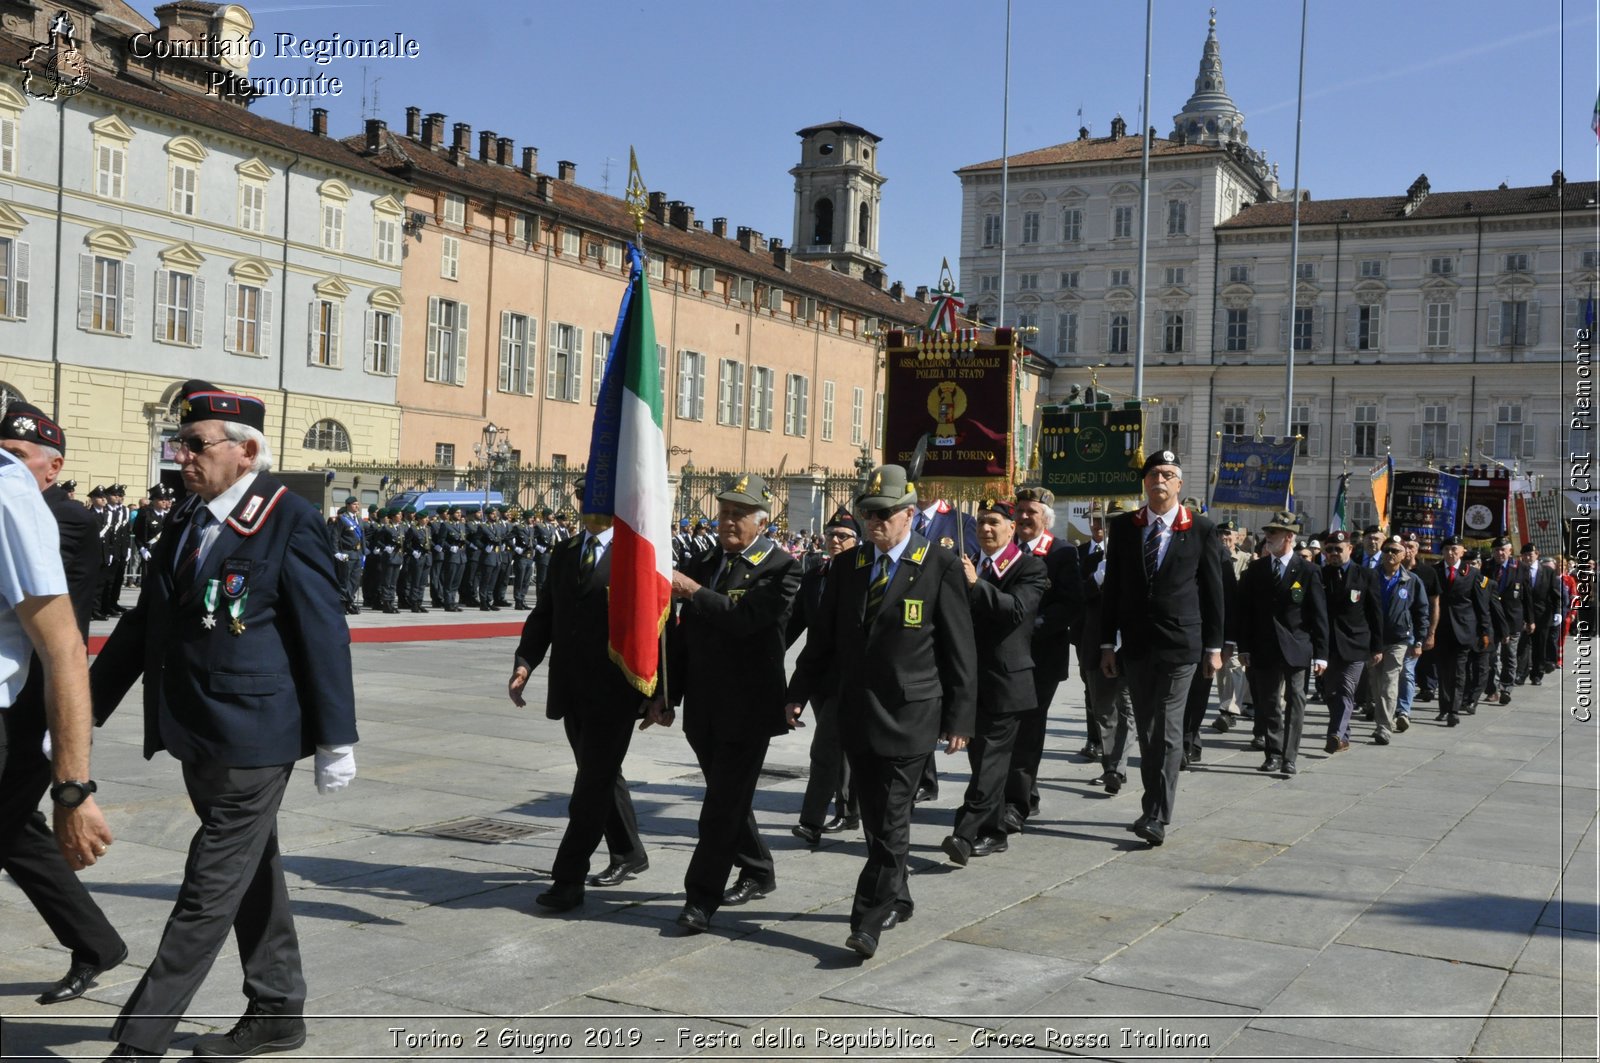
(1472, 92)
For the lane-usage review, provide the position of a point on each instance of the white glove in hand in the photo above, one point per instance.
(336, 766)
(45, 747)
(341, 557)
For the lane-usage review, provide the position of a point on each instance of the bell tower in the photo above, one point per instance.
(837, 189)
(1210, 116)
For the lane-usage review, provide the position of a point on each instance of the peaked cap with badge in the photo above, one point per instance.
(26, 422)
(203, 401)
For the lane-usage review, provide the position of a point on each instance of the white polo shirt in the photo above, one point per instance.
(30, 567)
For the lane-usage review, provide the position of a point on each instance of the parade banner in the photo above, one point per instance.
(955, 388)
(1485, 506)
(1539, 521)
(1092, 453)
(1254, 472)
(1382, 482)
(1426, 503)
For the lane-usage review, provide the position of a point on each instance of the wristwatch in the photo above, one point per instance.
(71, 794)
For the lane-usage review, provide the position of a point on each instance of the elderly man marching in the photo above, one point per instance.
(1163, 598)
(1003, 591)
(894, 637)
(726, 664)
(1404, 607)
(240, 637)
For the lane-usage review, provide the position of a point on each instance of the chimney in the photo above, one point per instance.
(719, 227)
(566, 171)
(414, 123)
(897, 291)
(681, 214)
(1152, 136)
(375, 132)
(319, 121)
(433, 131)
(530, 161)
(749, 239)
(461, 148)
(922, 293)
(1083, 132)
(505, 151)
(658, 206)
(780, 254)
(1557, 180)
(1119, 128)
(873, 275)
(486, 146)
(543, 190)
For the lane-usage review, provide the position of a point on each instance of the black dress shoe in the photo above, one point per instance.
(1223, 723)
(694, 919)
(1137, 825)
(253, 1035)
(895, 917)
(1114, 781)
(748, 889)
(862, 942)
(78, 979)
(1092, 751)
(807, 833)
(1452, 720)
(1332, 744)
(1271, 764)
(958, 849)
(1505, 697)
(924, 794)
(1152, 832)
(561, 897)
(1290, 768)
(128, 1054)
(1194, 751)
(841, 823)
(1011, 821)
(990, 843)
(1257, 743)
(619, 871)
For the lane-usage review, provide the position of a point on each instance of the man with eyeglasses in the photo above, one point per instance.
(241, 642)
(726, 666)
(829, 779)
(1163, 599)
(1420, 681)
(894, 636)
(1355, 632)
(1406, 615)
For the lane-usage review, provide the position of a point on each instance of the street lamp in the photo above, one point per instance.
(493, 452)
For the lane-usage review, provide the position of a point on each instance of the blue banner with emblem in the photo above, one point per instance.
(1254, 472)
(1427, 503)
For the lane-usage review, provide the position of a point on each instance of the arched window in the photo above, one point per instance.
(328, 435)
(822, 233)
(864, 226)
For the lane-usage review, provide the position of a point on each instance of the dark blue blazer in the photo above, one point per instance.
(960, 528)
(268, 695)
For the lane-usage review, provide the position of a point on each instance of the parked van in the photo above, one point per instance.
(433, 501)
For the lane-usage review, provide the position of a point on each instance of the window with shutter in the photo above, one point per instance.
(13, 279)
(8, 143)
(461, 345)
(431, 362)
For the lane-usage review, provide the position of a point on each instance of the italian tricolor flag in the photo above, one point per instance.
(627, 477)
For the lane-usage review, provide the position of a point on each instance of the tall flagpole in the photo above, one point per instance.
(1005, 167)
(1294, 237)
(1144, 204)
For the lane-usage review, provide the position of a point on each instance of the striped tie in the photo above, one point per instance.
(1152, 549)
(591, 553)
(875, 593)
(184, 576)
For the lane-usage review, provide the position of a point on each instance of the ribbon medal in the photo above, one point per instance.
(236, 589)
(208, 619)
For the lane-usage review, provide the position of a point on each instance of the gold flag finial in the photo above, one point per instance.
(638, 196)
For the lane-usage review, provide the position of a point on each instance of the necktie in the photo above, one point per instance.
(591, 554)
(875, 592)
(1152, 548)
(1025, 548)
(1452, 574)
(988, 565)
(727, 572)
(184, 576)
(922, 524)
(1277, 570)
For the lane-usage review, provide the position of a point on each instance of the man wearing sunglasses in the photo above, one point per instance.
(1406, 619)
(894, 636)
(241, 640)
(1163, 597)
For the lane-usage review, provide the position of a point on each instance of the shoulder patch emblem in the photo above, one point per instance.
(918, 554)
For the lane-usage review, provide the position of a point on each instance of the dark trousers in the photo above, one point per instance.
(1451, 661)
(233, 880)
(1426, 675)
(350, 578)
(1194, 708)
(541, 569)
(450, 578)
(728, 836)
(1340, 682)
(28, 851)
(1531, 651)
(1159, 693)
(488, 578)
(521, 575)
(989, 757)
(389, 585)
(1279, 693)
(1504, 670)
(469, 580)
(929, 779)
(1022, 782)
(887, 786)
(417, 579)
(110, 586)
(436, 578)
(601, 806)
(830, 773)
